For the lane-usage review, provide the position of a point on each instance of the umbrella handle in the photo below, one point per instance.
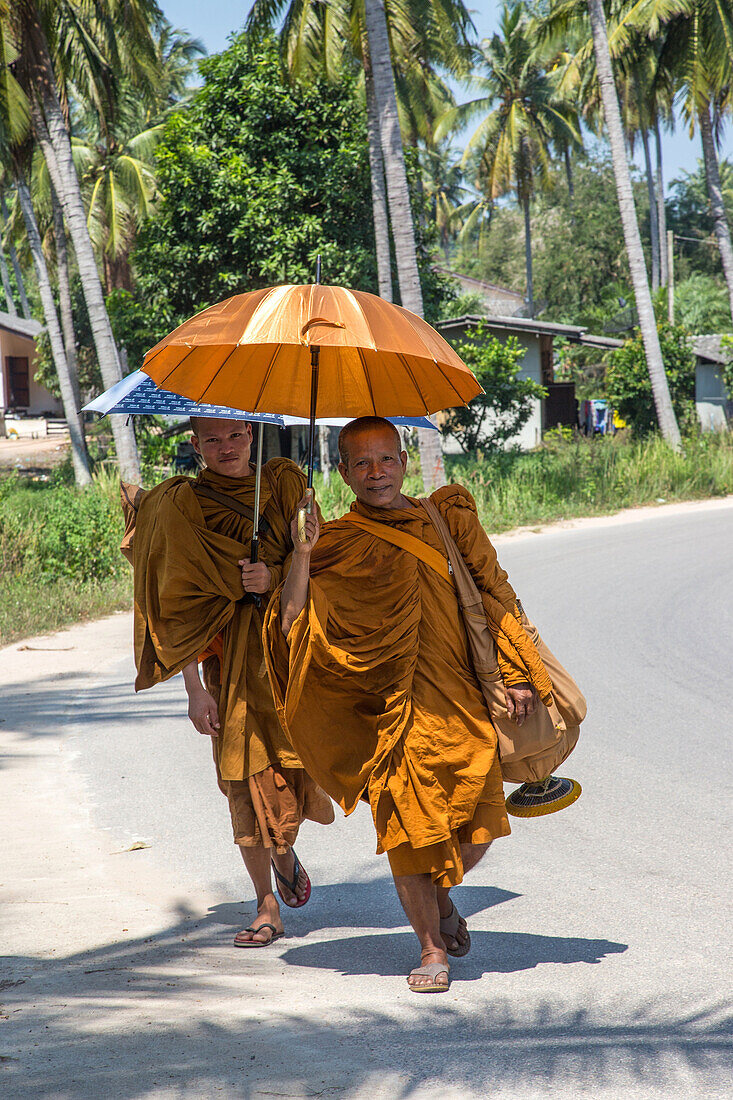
(302, 513)
(254, 555)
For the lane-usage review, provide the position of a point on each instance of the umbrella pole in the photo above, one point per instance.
(315, 356)
(254, 551)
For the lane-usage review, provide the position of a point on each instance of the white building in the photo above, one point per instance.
(712, 400)
(538, 363)
(22, 399)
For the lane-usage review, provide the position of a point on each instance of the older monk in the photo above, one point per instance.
(190, 606)
(373, 681)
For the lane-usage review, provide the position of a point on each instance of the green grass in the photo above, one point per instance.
(28, 606)
(60, 561)
(59, 548)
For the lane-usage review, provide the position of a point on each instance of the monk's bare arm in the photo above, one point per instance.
(202, 708)
(295, 589)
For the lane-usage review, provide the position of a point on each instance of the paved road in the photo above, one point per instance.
(601, 958)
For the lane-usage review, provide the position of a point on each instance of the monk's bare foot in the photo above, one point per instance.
(286, 866)
(267, 913)
(440, 978)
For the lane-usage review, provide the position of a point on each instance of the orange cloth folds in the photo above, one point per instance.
(376, 689)
(189, 599)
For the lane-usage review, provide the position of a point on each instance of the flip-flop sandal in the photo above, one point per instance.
(291, 886)
(430, 971)
(449, 927)
(257, 943)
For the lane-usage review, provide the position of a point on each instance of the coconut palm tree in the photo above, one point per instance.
(523, 116)
(697, 45)
(120, 28)
(15, 159)
(116, 166)
(627, 208)
(404, 36)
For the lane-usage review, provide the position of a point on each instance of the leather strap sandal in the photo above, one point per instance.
(449, 927)
(432, 970)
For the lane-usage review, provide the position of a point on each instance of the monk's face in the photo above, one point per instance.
(224, 445)
(376, 468)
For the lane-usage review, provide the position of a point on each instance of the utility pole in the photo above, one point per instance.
(670, 280)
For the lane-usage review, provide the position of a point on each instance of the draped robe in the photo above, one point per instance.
(375, 687)
(189, 600)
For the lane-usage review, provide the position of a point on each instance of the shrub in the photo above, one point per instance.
(629, 388)
(497, 415)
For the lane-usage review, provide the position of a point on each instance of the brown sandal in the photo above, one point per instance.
(449, 927)
(431, 971)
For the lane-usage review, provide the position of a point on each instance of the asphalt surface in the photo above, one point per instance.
(601, 936)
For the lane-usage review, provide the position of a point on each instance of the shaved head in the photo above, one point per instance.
(363, 424)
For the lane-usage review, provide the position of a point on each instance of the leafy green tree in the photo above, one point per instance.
(256, 177)
(629, 388)
(690, 218)
(523, 117)
(701, 304)
(495, 417)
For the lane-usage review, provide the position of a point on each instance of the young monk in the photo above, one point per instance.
(371, 674)
(190, 548)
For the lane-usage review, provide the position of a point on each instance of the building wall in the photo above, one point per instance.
(40, 400)
(711, 397)
(531, 367)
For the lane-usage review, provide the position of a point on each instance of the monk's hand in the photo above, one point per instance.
(256, 577)
(305, 523)
(521, 701)
(203, 712)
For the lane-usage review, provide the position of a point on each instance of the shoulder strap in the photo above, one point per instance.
(416, 547)
(466, 586)
(232, 504)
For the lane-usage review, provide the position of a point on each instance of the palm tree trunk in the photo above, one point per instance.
(403, 230)
(324, 435)
(653, 216)
(661, 212)
(715, 194)
(65, 307)
(71, 410)
(569, 173)
(24, 306)
(53, 138)
(376, 170)
(528, 255)
(5, 276)
(647, 323)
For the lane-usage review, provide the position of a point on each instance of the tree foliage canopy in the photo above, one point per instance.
(627, 379)
(257, 176)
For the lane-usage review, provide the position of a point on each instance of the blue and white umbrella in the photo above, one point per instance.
(136, 393)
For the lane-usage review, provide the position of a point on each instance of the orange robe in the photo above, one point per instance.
(189, 602)
(377, 692)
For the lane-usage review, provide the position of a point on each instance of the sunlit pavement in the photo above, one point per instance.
(601, 952)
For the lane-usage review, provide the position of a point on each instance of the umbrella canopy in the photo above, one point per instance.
(137, 393)
(254, 351)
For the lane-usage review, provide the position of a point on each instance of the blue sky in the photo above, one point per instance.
(214, 20)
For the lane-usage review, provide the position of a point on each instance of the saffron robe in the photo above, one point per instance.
(375, 687)
(189, 599)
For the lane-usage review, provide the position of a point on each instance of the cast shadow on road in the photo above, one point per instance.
(358, 905)
(85, 1012)
(60, 704)
(491, 953)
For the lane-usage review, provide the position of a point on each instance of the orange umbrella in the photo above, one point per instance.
(315, 351)
(254, 351)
